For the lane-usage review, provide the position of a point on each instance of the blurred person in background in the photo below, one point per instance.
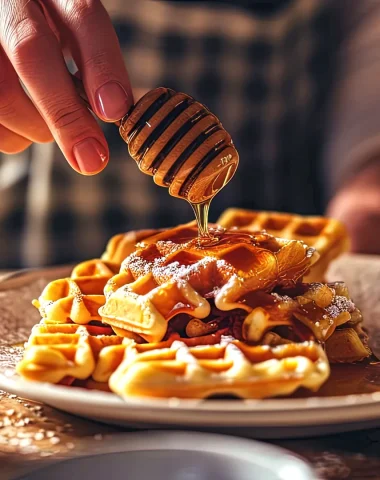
(295, 83)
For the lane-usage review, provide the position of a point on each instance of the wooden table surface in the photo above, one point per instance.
(32, 433)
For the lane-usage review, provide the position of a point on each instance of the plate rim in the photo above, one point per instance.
(267, 412)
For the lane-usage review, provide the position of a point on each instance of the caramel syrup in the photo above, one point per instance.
(348, 379)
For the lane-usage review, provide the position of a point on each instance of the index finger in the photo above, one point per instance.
(94, 46)
(35, 53)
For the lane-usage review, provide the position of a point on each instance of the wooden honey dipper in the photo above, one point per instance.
(180, 143)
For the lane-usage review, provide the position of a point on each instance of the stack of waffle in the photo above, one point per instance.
(161, 315)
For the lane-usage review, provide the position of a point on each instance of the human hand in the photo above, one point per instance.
(32, 40)
(357, 205)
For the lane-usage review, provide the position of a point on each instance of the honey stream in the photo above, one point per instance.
(201, 211)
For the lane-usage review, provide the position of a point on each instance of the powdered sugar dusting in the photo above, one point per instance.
(340, 304)
(163, 271)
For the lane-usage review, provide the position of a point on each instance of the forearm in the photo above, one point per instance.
(357, 205)
(352, 152)
(353, 131)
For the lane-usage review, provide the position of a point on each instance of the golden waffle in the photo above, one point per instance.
(66, 353)
(232, 317)
(349, 344)
(121, 245)
(326, 235)
(230, 367)
(59, 352)
(77, 298)
(328, 313)
(168, 274)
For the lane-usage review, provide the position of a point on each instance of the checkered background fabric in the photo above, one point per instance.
(266, 73)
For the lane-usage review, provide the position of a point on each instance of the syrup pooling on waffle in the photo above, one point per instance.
(77, 298)
(247, 285)
(327, 235)
(170, 274)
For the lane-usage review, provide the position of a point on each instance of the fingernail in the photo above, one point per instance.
(91, 156)
(112, 101)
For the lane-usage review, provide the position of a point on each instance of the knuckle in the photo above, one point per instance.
(66, 116)
(23, 32)
(99, 64)
(79, 10)
(64, 113)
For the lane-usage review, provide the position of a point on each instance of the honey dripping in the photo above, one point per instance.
(184, 147)
(179, 142)
(201, 211)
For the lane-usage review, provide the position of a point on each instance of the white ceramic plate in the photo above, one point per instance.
(279, 418)
(276, 418)
(179, 456)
